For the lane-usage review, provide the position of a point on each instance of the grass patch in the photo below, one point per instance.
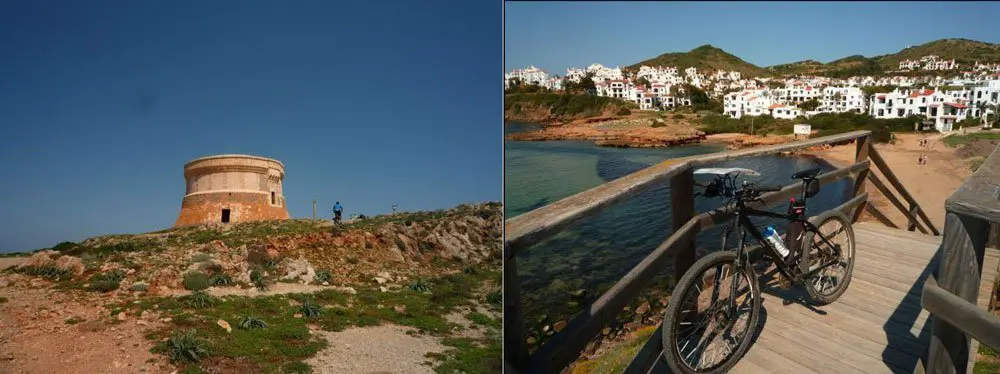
(185, 347)
(201, 257)
(221, 279)
(959, 140)
(196, 281)
(107, 281)
(48, 272)
(619, 357)
(466, 356)
(323, 276)
(74, 320)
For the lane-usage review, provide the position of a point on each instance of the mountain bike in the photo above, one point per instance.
(714, 309)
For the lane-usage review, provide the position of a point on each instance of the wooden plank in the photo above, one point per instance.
(682, 209)
(895, 202)
(891, 177)
(811, 340)
(771, 362)
(648, 355)
(875, 348)
(792, 349)
(979, 196)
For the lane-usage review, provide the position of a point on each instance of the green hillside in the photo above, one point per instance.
(964, 51)
(705, 57)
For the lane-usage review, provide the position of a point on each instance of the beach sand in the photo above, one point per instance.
(930, 184)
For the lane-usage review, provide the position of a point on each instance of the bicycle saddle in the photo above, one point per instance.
(807, 174)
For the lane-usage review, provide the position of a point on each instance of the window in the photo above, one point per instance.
(225, 216)
(272, 198)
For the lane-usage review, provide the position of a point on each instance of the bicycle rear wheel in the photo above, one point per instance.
(828, 284)
(698, 335)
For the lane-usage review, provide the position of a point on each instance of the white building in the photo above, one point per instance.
(575, 75)
(784, 111)
(529, 75)
(909, 65)
(842, 99)
(945, 110)
(747, 103)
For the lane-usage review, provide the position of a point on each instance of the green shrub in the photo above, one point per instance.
(199, 300)
(65, 246)
(258, 280)
(107, 281)
(309, 309)
(471, 270)
(678, 116)
(323, 276)
(420, 285)
(623, 111)
(252, 322)
(195, 281)
(141, 287)
(495, 297)
(185, 347)
(221, 279)
(658, 125)
(49, 272)
(74, 320)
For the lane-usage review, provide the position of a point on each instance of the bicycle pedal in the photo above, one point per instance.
(787, 302)
(784, 282)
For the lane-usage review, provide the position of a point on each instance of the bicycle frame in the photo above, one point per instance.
(742, 219)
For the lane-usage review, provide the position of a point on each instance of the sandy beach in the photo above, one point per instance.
(930, 184)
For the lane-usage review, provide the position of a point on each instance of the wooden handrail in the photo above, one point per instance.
(892, 199)
(532, 227)
(882, 166)
(951, 295)
(977, 322)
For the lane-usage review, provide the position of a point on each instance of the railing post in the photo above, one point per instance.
(682, 210)
(913, 218)
(959, 272)
(515, 342)
(862, 145)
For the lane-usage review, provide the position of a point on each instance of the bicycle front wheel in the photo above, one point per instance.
(701, 332)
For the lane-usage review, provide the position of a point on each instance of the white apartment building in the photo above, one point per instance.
(575, 75)
(990, 68)
(842, 99)
(747, 103)
(909, 65)
(945, 110)
(797, 94)
(940, 65)
(529, 75)
(784, 111)
(617, 88)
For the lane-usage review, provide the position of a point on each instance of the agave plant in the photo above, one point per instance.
(221, 279)
(309, 309)
(420, 285)
(186, 347)
(199, 299)
(323, 276)
(252, 322)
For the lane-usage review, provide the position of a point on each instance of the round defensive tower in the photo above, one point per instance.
(232, 188)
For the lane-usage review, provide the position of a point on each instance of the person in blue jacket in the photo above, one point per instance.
(337, 211)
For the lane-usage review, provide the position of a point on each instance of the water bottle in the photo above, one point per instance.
(772, 236)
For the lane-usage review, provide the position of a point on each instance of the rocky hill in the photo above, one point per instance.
(264, 296)
(548, 108)
(705, 57)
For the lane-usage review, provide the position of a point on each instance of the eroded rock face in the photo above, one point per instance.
(298, 269)
(42, 258)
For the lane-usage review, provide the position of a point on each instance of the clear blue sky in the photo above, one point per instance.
(558, 35)
(369, 103)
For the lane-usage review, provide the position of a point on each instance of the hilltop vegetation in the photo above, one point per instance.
(265, 296)
(705, 57)
(549, 106)
(825, 124)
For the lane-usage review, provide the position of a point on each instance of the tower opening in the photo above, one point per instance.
(272, 198)
(225, 216)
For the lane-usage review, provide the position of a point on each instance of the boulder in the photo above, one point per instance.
(42, 258)
(71, 264)
(225, 325)
(299, 269)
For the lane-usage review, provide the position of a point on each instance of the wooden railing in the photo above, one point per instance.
(531, 228)
(950, 295)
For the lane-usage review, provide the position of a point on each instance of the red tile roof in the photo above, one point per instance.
(774, 106)
(956, 105)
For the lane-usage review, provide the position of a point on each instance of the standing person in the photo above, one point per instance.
(337, 212)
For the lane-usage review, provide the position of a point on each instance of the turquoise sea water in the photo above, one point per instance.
(595, 253)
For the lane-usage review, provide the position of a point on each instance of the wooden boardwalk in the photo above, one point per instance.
(877, 326)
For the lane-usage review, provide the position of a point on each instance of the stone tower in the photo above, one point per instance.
(232, 188)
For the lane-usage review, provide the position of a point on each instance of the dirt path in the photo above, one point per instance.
(35, 336)
(379, 349)
(930, 184)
